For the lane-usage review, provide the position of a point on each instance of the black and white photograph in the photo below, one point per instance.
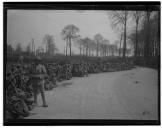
(82, 61)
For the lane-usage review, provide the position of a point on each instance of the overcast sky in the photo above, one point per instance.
(23, 25)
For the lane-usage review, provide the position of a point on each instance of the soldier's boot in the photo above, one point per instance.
(43, 96)
(35, 99)
(44, 100)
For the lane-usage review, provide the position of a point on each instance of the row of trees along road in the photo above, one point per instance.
(87, 46)
(143, 38)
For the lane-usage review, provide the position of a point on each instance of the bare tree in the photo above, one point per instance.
(32, 46)
(112, 49)
(137, 15)
(86, 44)
(69, 33)
(120, 46)
(39, 50)
(151, 32)
(147, 36)
(50, 44)
(120, 18)
(79, 42)
(104, 47)
(92, 47)
(98, 39)
(18, 48)
(65, 37)
(28, 49)
(10, 49)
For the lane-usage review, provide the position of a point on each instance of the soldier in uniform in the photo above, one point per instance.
(38, 74)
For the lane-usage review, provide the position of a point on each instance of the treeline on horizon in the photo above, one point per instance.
(143, 40)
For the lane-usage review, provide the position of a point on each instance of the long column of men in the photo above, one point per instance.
(19, 90)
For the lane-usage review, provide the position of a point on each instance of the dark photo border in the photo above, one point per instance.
(75, 6)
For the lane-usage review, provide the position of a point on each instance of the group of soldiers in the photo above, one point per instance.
(80, 69)
(24, 81)
(59, 72)
(18, 92)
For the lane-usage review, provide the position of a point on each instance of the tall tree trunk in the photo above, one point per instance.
(147, 38)
(158, 36)
(66, 46)
(46, 49)
(97, 49)
(89, 52)
(124, 45)
(80, 48)
(34, 49)
(70, 45)
(32, 45)
(107, 52)
(136, 45)
(120, 45)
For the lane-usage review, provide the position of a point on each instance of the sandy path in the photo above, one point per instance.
(118, 95)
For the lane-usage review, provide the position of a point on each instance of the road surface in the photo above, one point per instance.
(131, 94)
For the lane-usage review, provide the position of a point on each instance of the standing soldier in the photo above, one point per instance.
(38, 74)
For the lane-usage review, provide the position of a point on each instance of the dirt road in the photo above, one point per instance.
(128, 94)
